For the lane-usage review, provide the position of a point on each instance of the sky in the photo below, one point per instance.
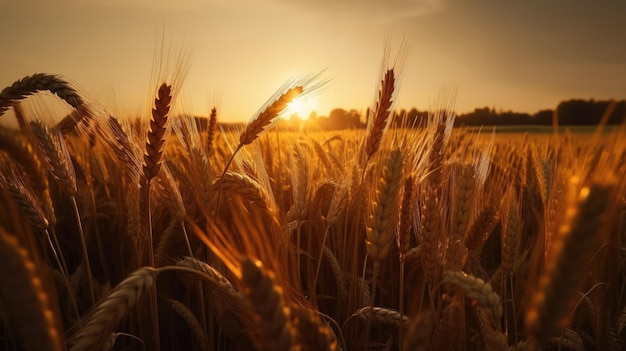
(512, 55)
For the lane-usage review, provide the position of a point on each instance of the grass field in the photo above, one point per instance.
(163, 234)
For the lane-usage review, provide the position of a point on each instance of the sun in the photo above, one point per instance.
(301, 107)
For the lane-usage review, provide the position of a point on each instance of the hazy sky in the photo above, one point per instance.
(520, 55)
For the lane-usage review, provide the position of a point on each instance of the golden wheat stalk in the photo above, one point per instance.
(475, 289)
(382, 223)
(29, 85)
(244, 186)
(59, 162)
(210, 139)
(585, 216)
(56, 156)
(157, 133)
(381, 228)
(23, 196)
(228, 304)
(24, 154)
(170, 194)
(123, 149)
(107, 314)
(215, 276)
(428, 224)
(511, 234)
(260, 123)
(155, 145)
(381, 119)
(383, 315)
(26, 303)
(479, 231)
(464, 188)
(440, 125)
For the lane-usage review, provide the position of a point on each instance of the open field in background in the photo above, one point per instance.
(129, 236)
(575, 130)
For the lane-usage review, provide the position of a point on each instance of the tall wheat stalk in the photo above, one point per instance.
(381, 118)
(258, 125)
(60, 165)
(584, 217)
(151, 167)
(382, 223)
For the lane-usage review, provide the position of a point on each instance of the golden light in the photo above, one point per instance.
(301, 107)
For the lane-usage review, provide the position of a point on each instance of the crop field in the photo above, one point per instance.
(169, 233)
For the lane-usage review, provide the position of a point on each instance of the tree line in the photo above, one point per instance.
(574, 112)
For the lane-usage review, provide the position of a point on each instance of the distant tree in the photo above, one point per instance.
(585, 112)
(337, 119)
(543, 117)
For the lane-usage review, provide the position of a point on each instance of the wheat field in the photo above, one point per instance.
(165, 233)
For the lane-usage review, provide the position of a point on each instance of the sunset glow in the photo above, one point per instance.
(524, 57)
(302, 107)
(312, 175)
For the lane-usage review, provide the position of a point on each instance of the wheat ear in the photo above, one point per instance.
(106, 315)
(56, 155)
(464, 181)
(210, 139)
(60, 165)
(25, 301)
(29, 85)
(23, 152)
(23, 196)
(120, 145)
(382, 223)
(558, 285)
(245, 186)
(381, 228)
(215, 276)
(511, 235)
(259, 125)
(440, 128)
(475, 289)
(383, 315)
(152, 164)
(266, 300)
(381, 118)
(428, 224)
(229, 304)
(156, 136)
